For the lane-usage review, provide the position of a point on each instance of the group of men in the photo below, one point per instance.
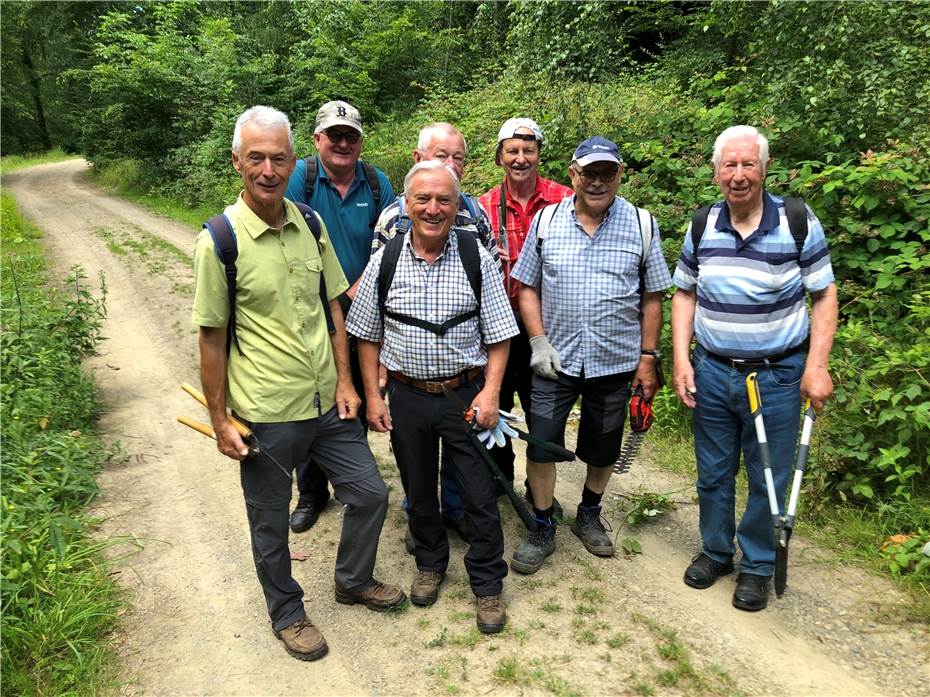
(353, 309)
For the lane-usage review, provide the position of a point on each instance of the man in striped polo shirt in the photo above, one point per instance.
(741, 295)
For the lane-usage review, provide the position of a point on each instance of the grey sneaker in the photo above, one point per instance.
(591, 531)
(536, 546)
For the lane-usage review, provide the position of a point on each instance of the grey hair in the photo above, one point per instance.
(734, 132)
(427, 133)
(261, 116)
(431, 164)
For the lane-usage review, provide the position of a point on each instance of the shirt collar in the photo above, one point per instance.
(254, 226)
(769, 220)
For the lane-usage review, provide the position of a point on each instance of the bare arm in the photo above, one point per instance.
(488, 400)
(651, 330)
(684, 303)
(347, 399)
(816, 383)
(369, 354)
(212, 342)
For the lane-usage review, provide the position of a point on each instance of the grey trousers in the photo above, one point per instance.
(341, 449)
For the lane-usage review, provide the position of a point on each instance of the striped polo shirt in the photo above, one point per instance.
(750, 292)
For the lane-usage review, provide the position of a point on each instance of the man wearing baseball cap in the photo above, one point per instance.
(349, 194)
(591, 301)
(511, 206)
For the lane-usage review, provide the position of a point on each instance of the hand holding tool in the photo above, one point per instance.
(545, 360)
(641, 418)
(244, 431)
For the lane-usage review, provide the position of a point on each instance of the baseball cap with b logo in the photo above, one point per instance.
(337, 114)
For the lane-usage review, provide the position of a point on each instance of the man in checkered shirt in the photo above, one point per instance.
(592, 334)
(468, 354)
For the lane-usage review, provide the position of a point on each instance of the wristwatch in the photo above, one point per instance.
(651, 352)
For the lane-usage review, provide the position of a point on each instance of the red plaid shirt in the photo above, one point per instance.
(518, 222)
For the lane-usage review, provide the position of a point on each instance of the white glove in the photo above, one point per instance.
(545, 359)
(497, 434)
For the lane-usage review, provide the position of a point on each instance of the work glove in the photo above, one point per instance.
(545, 359)
(497, 435)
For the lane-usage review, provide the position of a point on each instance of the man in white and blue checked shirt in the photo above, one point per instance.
(467, 354)
(592, 333)
(742, 296)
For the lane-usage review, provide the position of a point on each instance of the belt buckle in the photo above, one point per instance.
(433, 387)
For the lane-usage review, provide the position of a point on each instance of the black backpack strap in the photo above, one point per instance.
(371, 176)
(313, 222)
(698, 223)
(312, 166)
(471, 262)
(796, 212)
(227, 249)
(480, 221)
(403, 223)
(389, 258)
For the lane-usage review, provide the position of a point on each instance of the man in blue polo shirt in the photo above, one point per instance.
(349, 195)
(741, 295)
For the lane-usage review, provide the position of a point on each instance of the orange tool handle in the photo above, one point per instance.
(240, 427)
(197, 426)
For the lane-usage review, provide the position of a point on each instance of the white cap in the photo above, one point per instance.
(511, 126)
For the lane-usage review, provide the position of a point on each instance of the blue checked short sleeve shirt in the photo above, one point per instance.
(434, 292)
(590, 287)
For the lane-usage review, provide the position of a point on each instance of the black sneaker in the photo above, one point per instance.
(704, 571)
(536, 546)
(591, 531)
(752, 592)
(305, 516)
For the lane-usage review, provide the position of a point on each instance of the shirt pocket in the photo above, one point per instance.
(310, 272)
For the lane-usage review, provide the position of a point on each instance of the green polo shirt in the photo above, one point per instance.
(286, 370)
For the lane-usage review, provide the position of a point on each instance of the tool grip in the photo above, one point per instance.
(197, 426)
(240, 427)
(564, 454)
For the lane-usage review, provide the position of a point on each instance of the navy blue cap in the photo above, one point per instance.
(596, 149)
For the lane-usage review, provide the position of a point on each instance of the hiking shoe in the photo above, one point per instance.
(305, 516)
(490, 616)
(591, 531)
(378, 596)
(704, 571)
(303, 641)
(752, 592)
(536, 546)
(425, 588)
(556, 506)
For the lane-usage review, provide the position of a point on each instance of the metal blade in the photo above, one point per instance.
(631, 447)
(781, 561)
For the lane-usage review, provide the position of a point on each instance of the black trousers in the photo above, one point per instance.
(518, 378)
(312, 484)
(420, 421)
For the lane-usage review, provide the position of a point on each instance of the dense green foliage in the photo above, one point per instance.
(840, 88)
(59, 604)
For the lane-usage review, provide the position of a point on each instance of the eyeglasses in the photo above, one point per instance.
(605, 176)
(351, 137)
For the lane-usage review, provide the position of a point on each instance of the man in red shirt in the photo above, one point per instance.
(511, 207)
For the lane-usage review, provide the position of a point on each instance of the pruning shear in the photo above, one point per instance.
(243, 430)
(783, 524)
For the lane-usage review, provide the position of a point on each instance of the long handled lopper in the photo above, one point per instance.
(783, 524)
(641, 418)
(241, 428)
(467, 424)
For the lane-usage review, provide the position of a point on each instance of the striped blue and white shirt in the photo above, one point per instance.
(750, 292)
(589, 286)
(433, 292)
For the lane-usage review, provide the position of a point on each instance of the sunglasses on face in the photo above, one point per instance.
(606, 176)
(351, 137)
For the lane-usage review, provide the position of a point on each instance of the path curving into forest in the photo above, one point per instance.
(582, 625)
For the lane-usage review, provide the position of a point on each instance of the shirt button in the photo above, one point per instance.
(290, 269)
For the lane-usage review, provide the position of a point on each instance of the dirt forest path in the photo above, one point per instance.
(582, 625)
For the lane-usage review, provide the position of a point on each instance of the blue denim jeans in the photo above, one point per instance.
(722, 428)
(450, 498)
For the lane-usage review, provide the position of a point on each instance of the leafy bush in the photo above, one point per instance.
(59, 604)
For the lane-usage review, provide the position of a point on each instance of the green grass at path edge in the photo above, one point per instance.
(60, 603)
(11, 163)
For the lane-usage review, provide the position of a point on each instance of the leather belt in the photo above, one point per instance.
(435, 386)
(755, 363)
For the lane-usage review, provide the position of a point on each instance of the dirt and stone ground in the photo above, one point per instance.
(581, 626)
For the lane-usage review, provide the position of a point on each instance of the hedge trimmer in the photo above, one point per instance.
(641, 418)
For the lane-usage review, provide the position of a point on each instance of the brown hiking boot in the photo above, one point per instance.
(491, 616)
(378, 596)
(303, 641)
(425, 588)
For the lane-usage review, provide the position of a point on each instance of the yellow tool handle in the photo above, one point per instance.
(197, 426)
(752, 390)
(240, 427)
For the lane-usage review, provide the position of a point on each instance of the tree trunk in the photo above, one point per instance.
(36, 98)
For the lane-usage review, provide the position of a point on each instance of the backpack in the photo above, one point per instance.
(227, 249)
(471, 262)
(646, 230)
(403, 224)
(795, 212)
(371, 176)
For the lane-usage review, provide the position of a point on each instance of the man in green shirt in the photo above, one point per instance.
(288, 379)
